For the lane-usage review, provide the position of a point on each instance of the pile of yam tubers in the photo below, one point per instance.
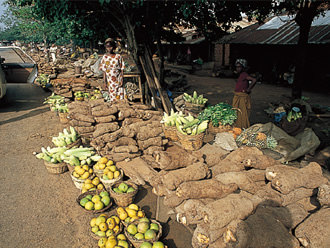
(66, 87)
(241, 198)
(118, 131)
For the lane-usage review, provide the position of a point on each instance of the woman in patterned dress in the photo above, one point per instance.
(113, 66)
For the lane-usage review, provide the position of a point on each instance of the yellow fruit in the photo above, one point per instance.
(96, 181)
(110, 162)
(133, 206)
(93, 222)
(103, 227)
(88, 181)
(106, 170)
(121, 237)
(106, 216)
(141, 214)
(88, 185)
(134, 218)
(90, 171)
(131, 212)
(96, 166)
(103, 160)
(111, 243)
(102, 166)
(111, 223)
(95, 229)
(80, 171)
(89, 205)
(113, 168)
(100, 186)
(109, 233)
(85, 167)
(123, 215)
(84, 190)
(116, 219)
(100, 219)
(85, 175)
(99, 205)
(120, 210)
(116, 174)
(77, 168)
(102, 242)
(96, 198)
(116, 229)
(75, 174)
(110, 175)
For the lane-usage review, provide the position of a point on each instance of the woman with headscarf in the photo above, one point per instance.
(113, 66)
(242, 99)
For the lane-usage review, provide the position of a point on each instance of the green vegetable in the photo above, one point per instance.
(221, 113)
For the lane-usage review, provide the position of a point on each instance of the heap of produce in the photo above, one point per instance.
(294, 114)
(82, 172)
(170, 120)
(143, 229)
(91, 185)
(195, 99)
(81, 96)
(105, 226)
(219, 114)
(189, 125)
(108, 170)
(130, 213)
(123, 188)
(74, 156)
(257, 139)
(65, 138)
(57, 103)
(43, 80)
(114, 241)
(96, 201)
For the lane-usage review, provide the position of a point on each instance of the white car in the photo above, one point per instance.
(17, 65)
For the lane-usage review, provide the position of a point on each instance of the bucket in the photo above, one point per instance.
(78, 69)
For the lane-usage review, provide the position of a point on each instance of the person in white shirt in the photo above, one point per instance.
(53, 50)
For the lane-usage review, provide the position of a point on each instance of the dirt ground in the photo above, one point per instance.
(39, 209)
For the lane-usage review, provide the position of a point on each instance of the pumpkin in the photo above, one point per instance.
(237, 130)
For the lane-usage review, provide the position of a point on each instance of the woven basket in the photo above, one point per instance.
(137, 242)
(96, 192)
(64, 118)
(58, 168)
(123, 199)
(194, 105)
(107, 215)
(170, 133)
(79, 182)
(191, 142)
(219, 129)
(108, 183)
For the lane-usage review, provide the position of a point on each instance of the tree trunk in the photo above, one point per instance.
(304, 19)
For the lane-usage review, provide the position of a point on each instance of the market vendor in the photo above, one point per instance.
(242, 99)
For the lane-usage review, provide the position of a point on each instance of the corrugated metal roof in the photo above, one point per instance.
(281, 30)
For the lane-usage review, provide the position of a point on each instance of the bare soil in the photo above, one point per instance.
(39, 209)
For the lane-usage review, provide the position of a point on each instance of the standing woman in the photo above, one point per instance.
(113, 66)
(242, 99)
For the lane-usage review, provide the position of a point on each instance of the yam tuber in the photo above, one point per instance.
(172, 200)
(105, 111)
(156, 141)
(85, 130)
(207, 188)
(81, 117)
(103, 128)
(128, 149)
(222, 211)
(239, 178)
(315, 231)
(206, 234)
(149, 131)
(174, 178)
(105, 119)
(123, 141)
(285, 178)
(154, 149)
(76, 123)
(179, 158)
(96, 102)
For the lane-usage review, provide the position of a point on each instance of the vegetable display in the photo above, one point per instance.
(170, 120)
(65, 138)
(189, 125)
(43, 80)
(74, 156)
(257, 139)
(219, 114)
(57, 103)
(195, 99)
(294, 114)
